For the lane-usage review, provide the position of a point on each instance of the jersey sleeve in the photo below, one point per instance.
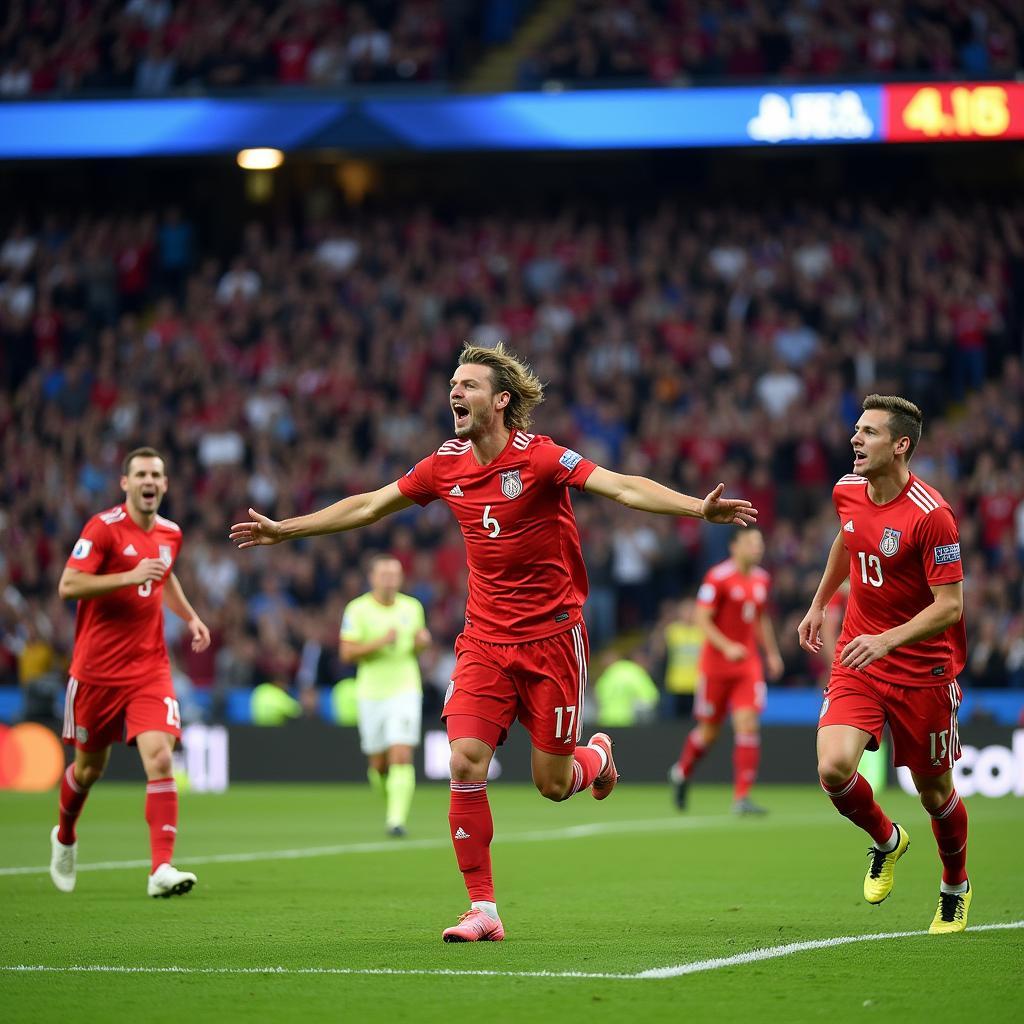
(91, 548)
(419, 616)
(707, 596)
(561, 466)
(418, 484)
(351, 624)
(940, 548)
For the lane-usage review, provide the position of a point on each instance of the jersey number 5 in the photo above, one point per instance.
(870, 569)
(490, 523)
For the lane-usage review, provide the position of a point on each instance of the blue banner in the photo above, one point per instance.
(125, 128)
(636, 119)
(606, 119)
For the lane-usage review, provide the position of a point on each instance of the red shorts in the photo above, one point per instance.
(719, 694)
(541, 683)
(97, 716)
(922, 719)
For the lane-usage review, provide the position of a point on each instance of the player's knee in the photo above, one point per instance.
(834, 771)
(552, 788)
(88, 775)
(935, 796)
(465, 768)
(160, 765)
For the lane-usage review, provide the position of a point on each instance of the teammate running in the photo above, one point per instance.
(902, 644)
(120, 685)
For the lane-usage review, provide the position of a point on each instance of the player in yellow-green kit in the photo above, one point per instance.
(382, 632)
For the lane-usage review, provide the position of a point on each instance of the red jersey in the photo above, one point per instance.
(737, 601)
(526, 574)
(119, 636)
(898, 551)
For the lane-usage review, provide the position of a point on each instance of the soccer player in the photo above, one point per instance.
(902, 644)
(731, 610)
(383, 631)
(523, 652)
(120, 685)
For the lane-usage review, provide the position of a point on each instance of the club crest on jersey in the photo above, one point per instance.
(165, 554)
(511, 485)
(890, 542)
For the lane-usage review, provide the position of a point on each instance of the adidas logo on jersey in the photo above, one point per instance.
(848, 526)
(130, 550)
(461, 833)
(456, 492)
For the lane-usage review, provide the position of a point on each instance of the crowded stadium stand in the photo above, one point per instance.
(668, 41)
(689, 343)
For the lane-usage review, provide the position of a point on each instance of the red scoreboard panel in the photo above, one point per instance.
(947, 112)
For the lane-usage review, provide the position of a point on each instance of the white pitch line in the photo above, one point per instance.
(774, 952)
(399, 846)
(655, 974)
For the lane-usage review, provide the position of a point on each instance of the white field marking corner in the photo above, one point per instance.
(654, 974)
(581, 831)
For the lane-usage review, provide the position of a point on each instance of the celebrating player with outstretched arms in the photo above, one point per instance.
(523, 652)
(902, 644)
(120, 685)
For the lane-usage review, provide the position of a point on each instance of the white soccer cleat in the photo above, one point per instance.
(63, 861)
(169, 881)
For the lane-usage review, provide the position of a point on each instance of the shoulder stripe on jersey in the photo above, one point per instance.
(722, 569)
(851, 481)
(454, 447)
(168, 523)
(522, 440)
(918, 492)
(115, 515)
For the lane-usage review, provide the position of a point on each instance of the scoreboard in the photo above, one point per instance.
(951, 112)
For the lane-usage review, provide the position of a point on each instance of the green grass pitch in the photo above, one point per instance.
(616, 888)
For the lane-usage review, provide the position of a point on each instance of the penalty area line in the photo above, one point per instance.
(654, 974)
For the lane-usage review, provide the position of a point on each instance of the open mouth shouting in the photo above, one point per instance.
(860, 458)
(463, 417)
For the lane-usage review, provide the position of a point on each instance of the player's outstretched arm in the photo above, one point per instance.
(649, 496)
(837, 568)
(80, 586)
(348, 514)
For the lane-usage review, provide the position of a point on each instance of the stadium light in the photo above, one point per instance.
(259, 159)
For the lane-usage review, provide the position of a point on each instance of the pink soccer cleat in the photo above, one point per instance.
(605, 782)
(475, 926)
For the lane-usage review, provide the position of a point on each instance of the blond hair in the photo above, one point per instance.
(905, 418)
(508, 373)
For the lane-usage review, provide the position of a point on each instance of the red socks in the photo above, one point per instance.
(949, 825)
(472, 828)
(746, 757)
(855, 799)
(693, 751)
(72, 798)
(162, 818)
(586, 766)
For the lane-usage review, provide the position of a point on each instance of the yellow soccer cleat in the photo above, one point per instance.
(878, 880)
(951, 915)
